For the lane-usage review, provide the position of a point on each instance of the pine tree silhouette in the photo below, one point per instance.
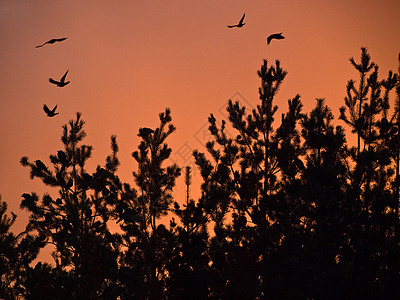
(16, 253)
(242, 183)
(75, 222)
(189, 270)
(289, 208)
(366, 112)
(144, 263)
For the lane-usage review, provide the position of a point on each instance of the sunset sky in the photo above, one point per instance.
(129, 60)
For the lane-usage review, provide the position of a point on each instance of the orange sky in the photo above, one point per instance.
(128, 60)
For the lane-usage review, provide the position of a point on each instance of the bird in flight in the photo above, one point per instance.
(277, 36)
(60, 83)
(52, 41)
(50, 113)
(240, 24)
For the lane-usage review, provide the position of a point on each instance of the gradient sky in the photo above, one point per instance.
(129, 60)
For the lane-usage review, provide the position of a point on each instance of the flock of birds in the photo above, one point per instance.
(277, 36)
(52, 112)
(61, 83)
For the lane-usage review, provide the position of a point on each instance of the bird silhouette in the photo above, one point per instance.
(240, 24)
(145, 132)
(277, 36)
(29, 201)
(52, 41)
(27, 197)
(60, 83)
(50, 113)
(41, 166)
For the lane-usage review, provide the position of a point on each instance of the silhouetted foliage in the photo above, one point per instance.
(143, 264)
(188, 269)
(75, 222)
(289, 208)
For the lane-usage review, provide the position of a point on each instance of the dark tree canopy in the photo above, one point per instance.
(289, 208)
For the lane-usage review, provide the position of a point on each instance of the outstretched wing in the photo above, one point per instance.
(65, 75)
(242, 19)
(278, 36)
(269, 39)
(52, 41)
(46, 109)
(53, 81)
(60, 39)
(54, 109)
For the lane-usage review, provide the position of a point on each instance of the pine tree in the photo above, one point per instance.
(295, 211)
(189, 274)
(8, 245)
(75, 223)
(371, 169)
(16, 254)
(144, 273)
(242, 182)
(323, 182)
